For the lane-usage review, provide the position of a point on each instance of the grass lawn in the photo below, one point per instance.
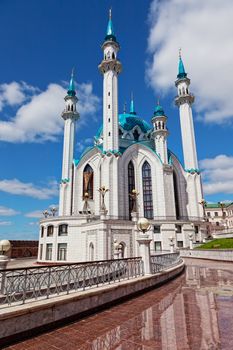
(222, 243)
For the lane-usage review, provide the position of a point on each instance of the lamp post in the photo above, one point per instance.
(203, 204)
(103, 190)
(45, 213)
(223, 206)
(143, 240)
(171, 239)
(4, 248)
(190, 241)
(86, 209)
(53, 211)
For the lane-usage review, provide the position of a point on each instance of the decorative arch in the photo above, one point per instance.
(88, 178)
(147, 191)
(131, 185)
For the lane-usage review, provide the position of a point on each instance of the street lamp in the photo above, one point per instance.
(203, 204)
(103, 190)
(53, 211)
(143, 225)
(45, 213)
(4, 246)
(223, 206)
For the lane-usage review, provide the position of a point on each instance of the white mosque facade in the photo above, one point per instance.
(130, 166)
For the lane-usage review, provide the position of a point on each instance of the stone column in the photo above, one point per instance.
(144, 251)
(3, 265)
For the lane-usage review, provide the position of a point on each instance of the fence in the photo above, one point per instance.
(36, 283)
(163, 261)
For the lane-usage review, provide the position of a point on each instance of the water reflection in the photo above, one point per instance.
(186, 314)
(193, 312)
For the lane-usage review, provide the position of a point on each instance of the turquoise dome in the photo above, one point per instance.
(128, 121)
(159, 111)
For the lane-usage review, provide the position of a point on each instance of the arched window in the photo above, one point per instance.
(136, 135)
(176, 195)
(91, 251)
(147, 191)
(131, 185)
(42, 231)
(50, 230)
(63, 230)
(113, 56)
(88, 181)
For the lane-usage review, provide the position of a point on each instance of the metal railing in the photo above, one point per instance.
(37, 283)
(164, 261)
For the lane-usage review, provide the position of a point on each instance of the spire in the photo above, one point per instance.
(110, 31)
(181, 71)
(124, 107)
(132, 109)
(158, 110)
(71, 91)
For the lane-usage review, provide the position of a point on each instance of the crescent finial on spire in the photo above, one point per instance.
(180, 53)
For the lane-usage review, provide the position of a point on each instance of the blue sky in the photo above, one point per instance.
(40, 43)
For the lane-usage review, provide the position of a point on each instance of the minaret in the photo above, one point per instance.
(184, 101)
(160, 133)
(110, 67)
(70, 115)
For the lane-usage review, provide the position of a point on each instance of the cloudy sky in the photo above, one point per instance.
(40, 43)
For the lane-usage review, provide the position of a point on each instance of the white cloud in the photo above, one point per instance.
(4, 211)
(15, 93)
(204, 31)
(34, 214)
(39, 119)
(217, 174)
(5, 223)
(17, 187)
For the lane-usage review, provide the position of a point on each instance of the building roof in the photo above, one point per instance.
(217, 205)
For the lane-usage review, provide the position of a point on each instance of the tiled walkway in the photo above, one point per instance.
(194, 311)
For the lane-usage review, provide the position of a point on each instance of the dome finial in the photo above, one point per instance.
(132, 108)
(71, 91)
(110, 31)
(181, 71)
(180, 53)
(124, 107)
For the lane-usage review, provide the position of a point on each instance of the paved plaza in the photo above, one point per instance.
(192, 312)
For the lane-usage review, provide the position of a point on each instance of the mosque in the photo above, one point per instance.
(128, 173)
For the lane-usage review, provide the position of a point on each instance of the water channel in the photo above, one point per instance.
(193, 312)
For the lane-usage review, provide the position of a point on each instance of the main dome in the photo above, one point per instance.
(127, 122)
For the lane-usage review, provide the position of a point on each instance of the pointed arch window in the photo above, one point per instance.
(136, 135)
(176, 196)
(131, 185)
(147, 191)
(88, 178)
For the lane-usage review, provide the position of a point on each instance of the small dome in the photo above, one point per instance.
(127, 122)
(159, 111)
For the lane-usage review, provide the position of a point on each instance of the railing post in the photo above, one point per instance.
(144, 252)
(3, 265)
(25, 286)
